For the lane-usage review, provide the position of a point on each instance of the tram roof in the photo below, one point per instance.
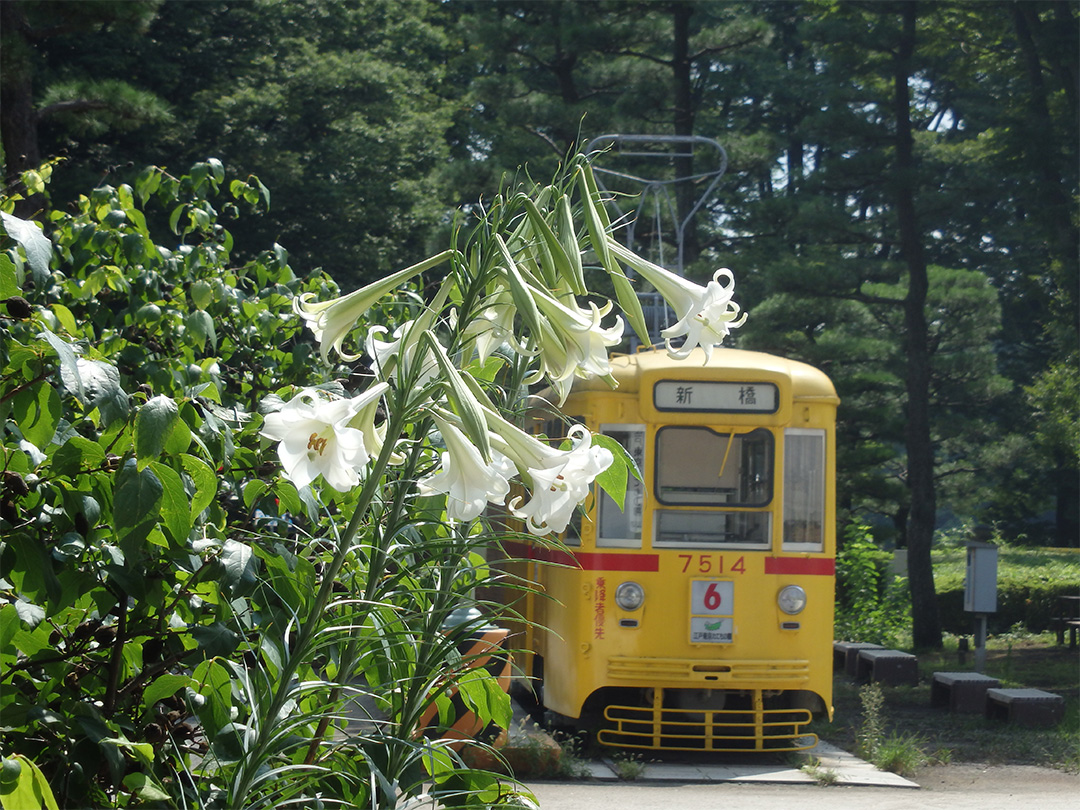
(627, 369)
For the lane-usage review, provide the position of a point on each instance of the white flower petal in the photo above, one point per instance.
(314, 438)
(467, 481)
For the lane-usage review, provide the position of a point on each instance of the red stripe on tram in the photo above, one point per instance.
(588, 560)
(600, 561)
(813, 566)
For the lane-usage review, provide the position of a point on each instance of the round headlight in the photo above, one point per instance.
(791, 599)
(629, 596)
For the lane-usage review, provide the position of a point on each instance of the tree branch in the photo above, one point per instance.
(74, 106)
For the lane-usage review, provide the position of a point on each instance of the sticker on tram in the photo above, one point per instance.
(704, 630)
(711, 610)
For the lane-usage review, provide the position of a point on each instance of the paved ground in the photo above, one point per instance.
(839, 767)
(950, 787)
(776, 784)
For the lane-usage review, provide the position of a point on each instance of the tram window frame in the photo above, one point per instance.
(712, 523)
(726, 538)
(728, 437)
(632, 515)
(808, 488)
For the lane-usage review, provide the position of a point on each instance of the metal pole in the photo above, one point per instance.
(980, 642)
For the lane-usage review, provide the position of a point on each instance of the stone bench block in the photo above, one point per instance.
(1025, 707)
(963, 692)
(846, 653)
(888, 667)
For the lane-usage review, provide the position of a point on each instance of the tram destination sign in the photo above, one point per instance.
(716, 397)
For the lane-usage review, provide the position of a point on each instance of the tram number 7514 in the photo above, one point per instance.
(711, 564)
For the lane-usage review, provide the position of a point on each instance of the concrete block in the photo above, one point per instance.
(846, 653)
(963, 692)
(1025, 707)
(888, 667)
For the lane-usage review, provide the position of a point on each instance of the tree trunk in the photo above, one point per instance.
(926, 623)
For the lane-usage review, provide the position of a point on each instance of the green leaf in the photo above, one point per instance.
(217, 170)
(30, 614)
(77, 455)
(289, 500)
(33, 181)
(9, 625)
(480, 691)
(36, 411)
(239, 564)
(153, 424)
(253, 490)
(201, 325)
(216, 639)
(65, 318)
(148, 181)
(143, 752)
(69, 364)
(35, 244)
(613, 480)
(29, 790)
(164, 686)
(202, 294)
(144, 788)
(175, 507)
(137, 496)
(101, 387)
(179, 440)
(204, 480)
(9, 278)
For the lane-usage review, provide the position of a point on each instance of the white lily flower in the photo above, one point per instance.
(468, 482)
(314, 437)
(374, 435)
(706, 315)
(331, 321)
(388, 357)
(576, 344)
(561, 479)
(494, 325)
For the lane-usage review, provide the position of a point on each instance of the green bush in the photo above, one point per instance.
(871, 605)
(1030, 583)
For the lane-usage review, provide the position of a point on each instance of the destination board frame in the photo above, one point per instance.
(708, 396)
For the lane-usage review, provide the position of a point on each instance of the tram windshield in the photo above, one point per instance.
(699, 466)
(702, 467)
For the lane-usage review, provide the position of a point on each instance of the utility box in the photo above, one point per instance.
(980, 586)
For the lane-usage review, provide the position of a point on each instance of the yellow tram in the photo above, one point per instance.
(700, 616)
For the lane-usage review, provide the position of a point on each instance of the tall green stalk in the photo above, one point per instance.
(251, 764)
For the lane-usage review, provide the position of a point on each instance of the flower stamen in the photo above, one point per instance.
(317, 444)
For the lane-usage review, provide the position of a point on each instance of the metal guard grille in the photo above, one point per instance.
(748, 730)
(788, 674)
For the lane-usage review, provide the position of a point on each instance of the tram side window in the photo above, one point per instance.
(621, 528)
(804, 490)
